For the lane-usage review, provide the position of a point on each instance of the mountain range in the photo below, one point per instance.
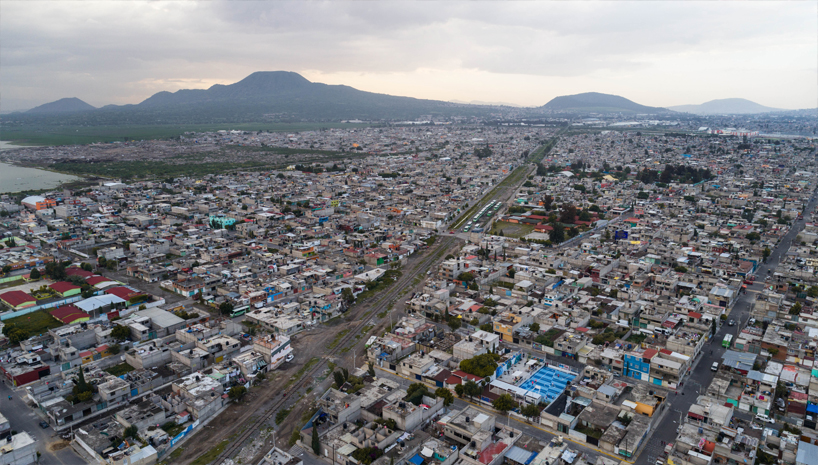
(731, 106)
(288, 96)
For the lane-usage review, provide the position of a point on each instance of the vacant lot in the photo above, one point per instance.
(35, 323)
(511, 229)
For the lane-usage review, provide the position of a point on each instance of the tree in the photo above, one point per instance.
(511, 272)
(34, 275)
(370, 369)
(237, 392)
(459, 390)
(614, 292)
(7, 269)
(316, 444)
(796, 309)
(114, 349)
(120, 333)
(226, 308)
(131, 432)
(504, 403)
(534, 327)
(454, 322)
(16, 335)
(446, 395)
(347, 295)
(82, 391)
(414, 387)
(482, 365)
(472, 389)
(680, 269)
(341, 376)
(530, 411)
(557, 236)
(766, 253)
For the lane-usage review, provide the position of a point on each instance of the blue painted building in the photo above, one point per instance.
(637, 363)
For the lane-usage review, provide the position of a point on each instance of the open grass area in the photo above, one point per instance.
(35, 323)
(173, 456)
(211, 455)
(337, 339)
(70, 135)
(537, 155)
(121, 369)
(173, 429)
(511, 229)
(301, 372)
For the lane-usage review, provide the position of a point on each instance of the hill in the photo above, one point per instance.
(594, 102)
(63, 105)
(733, 106)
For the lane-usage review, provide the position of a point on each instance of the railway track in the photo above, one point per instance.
(363, 314)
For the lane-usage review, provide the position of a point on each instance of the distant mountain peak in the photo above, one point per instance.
(596, 102)
(63, 105)
(735, 106)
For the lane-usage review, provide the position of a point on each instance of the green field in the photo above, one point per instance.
(70, 135)
(35, 323)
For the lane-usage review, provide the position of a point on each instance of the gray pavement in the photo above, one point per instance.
(23, 418)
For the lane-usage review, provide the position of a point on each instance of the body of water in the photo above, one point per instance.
(9, 146)
(17, 178)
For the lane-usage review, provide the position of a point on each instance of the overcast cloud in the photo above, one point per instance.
(655, 53)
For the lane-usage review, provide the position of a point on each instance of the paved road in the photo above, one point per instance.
(701, 375)
(23, 418)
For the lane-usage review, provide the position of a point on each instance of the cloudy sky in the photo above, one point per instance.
(655, 53)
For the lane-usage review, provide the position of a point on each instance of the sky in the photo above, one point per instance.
(525, 53)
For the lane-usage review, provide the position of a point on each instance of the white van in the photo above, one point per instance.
(764, 418)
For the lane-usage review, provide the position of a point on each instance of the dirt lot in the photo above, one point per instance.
(511, 229)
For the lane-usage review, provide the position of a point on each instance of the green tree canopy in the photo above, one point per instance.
(482, 365)
(504, 403)
(446, 395)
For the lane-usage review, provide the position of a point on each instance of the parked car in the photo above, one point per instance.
(289, 358)
(731, 323)
(43, 424)
(714, 366)
(764, 418)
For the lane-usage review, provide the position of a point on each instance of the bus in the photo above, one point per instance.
(239, 311)
(728, 340)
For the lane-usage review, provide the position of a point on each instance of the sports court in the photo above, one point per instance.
(548, 382)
